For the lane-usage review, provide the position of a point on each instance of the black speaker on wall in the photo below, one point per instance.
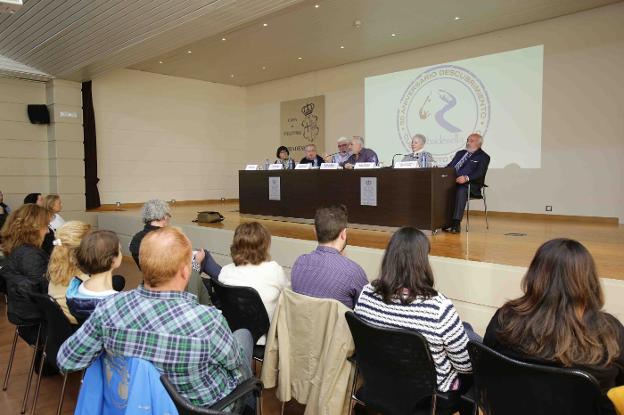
(38, 114)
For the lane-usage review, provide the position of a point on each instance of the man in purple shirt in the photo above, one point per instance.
(360, 154)
(326, 272)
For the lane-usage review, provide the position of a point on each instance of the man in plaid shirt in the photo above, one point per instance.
(161, 323)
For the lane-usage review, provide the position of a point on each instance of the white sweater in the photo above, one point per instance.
(268, 278)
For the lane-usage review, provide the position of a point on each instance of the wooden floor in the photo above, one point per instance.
(605, 241)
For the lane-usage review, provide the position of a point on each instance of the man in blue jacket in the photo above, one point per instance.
(470, 166)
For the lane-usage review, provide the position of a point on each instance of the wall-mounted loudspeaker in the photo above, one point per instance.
(38, 114)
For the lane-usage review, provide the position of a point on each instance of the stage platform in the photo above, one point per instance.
(479, 270)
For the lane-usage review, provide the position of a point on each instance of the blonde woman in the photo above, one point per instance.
(63, 265)
(54, 205)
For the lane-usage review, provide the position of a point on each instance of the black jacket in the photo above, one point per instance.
(318, 160)
(24, 273)
(135, 243)
(475, 168)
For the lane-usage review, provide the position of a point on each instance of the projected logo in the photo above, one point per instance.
(445, 103)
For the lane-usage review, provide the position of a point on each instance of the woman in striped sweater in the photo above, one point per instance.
(404, 297)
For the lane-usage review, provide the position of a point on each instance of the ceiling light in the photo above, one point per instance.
(160, 61)
(316, 6)
(394, 35)
(232, 75)
(341, 47)
(223, 39)
(264, 68)
(299, 58)
(265, 24)
(189, 51)
(457, 17)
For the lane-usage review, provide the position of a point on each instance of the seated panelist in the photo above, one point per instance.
(424, 158)
(283, 158)
(360, 154)
(311, 157)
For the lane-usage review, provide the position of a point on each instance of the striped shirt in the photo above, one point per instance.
(435, 318)
(188, 342)
(325, 273)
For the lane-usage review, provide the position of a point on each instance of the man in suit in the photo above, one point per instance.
(470, 166)
(311, 157)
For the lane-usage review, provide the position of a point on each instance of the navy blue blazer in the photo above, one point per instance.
(475, 167)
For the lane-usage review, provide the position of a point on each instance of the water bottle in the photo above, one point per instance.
(266, 164)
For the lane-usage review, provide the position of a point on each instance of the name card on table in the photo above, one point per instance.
(370, 165)
(277, 166)
(330, 166)
(251, 167)
(275, 192)
(368, 191)
(406, 164)
(303, 166)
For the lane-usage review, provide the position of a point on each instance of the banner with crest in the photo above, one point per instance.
(302, 122)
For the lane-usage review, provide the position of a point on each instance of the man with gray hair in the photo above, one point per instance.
(344, 152)
(424, 158)
(156, 214)
(470, 166)
(311, 157)
(360, 154)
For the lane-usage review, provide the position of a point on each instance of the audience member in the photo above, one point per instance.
(4, 208)
(559, 319)
(63, 265)
(26, 265)
(283, 157)
(404, 297)
(98, 255)
(326, 272)
(156, 214)
(161, 323)
(360, 154)
(4, 211)
(252, 266)
(34, 198)
(53, 204)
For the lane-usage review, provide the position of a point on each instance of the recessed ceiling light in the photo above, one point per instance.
(394, 35)
(341, 47)
(264, 68)
(232, 75)
(160, 61)
(457, 17)
(299, 58)
(189, 51)
(223, 39)
(316, 6)
(265, 24)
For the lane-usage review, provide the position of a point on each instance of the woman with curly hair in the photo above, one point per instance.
(26, 263)
(63, 265)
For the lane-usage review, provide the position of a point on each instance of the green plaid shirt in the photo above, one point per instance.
(188, 342)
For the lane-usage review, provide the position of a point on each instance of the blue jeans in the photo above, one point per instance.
(210, 266)
(245, 340)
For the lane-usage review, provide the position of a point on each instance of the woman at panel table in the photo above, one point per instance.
(283, 157)
(424, 158)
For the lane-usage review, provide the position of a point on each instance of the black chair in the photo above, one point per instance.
(504, 386)
(397, 370)
(184, 407)
(477, 196)
(57, 329)
(242, 308)
(32, 334)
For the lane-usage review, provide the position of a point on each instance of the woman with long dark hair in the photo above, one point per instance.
(404, 297)
(559, 320)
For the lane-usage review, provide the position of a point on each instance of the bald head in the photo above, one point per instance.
(165, 258)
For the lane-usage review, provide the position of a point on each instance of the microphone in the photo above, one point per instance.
(398, 154)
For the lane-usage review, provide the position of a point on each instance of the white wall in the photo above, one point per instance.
(167, 137)
(583, 124)
(23, 146)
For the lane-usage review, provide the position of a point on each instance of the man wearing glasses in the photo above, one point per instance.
(344, 152)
